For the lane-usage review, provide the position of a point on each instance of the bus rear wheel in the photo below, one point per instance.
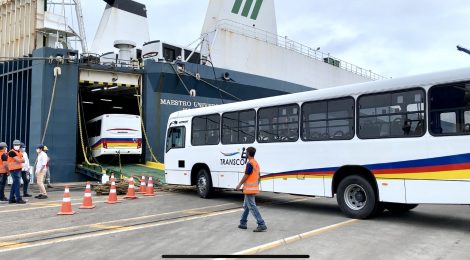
(356, 197)
(399, 207)
(204, 184)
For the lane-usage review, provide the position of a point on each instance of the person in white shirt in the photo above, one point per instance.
(25, 175)
(41, 168)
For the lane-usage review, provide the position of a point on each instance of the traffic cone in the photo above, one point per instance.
(142, 189)
(149, 191)
(131, 190)
(112, 198)
(66, 208)
(87, 200)
(112, 178)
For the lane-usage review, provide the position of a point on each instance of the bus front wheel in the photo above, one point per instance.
(399, 207)
(204, 183)
(356, 197)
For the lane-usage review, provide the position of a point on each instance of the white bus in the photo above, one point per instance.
(385, 144)
(115, 134)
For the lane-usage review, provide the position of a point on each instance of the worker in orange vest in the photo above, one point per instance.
(15, 164)
(250, 182)
(3, 170)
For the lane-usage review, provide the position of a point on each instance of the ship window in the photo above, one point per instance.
(278, 124)
(392, 114)
(450, 109)
(328, 120)
(205, 130)
(238, 127)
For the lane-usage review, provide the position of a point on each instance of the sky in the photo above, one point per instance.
(392, 38)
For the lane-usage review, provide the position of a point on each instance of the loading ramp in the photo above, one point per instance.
(126, 170)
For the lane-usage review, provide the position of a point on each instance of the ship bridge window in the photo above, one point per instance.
(450, 109)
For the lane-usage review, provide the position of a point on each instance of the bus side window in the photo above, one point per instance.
(450, 109)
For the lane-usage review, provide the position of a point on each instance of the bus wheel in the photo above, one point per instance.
(204, 184)
(399, 207)
(356, 197)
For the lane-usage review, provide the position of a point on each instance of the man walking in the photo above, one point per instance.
(48, 171)
(41, 168)
(25, 175)
(3, 170)
(250, 182)
(15, 164)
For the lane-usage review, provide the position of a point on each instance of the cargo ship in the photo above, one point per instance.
(52, 83)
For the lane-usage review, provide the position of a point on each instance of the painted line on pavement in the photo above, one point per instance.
(294, 238)
(52, 204)
(25, 235)
(120, 229)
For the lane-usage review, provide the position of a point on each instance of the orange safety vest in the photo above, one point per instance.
(3, 168)
(12, 164)
(251, 185)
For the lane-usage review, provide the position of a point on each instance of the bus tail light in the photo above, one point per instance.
(105, 145)
(139, 144)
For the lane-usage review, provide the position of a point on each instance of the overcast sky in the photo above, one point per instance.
(393, 38)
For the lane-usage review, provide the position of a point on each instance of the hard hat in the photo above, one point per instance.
(16, 142)
(45, 148)
(3, 144)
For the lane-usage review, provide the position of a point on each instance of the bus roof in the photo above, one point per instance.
(336, 92)
(112, 116)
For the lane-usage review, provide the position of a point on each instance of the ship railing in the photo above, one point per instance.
(284, 42)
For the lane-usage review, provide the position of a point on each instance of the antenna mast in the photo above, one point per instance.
(81, 25)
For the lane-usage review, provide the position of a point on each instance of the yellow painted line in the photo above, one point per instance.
(106, 226)
(125, 229)
(294, 238)
(25, 235)
(114, 231)
(45, 205)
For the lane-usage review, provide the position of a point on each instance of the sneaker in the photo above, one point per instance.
(3, 199)
(38, 196)
(12, 201)
(49, 186)
(242, 226)
(21, 202)
(260, 229)
(43, 197)
(27, 195)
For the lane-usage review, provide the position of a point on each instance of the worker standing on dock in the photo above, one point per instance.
(25, 174)
(41, 169)
(3, 170)
(15, 164)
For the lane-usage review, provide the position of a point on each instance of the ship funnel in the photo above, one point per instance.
(121, 20)
(254, 13)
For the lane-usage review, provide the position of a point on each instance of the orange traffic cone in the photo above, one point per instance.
(112, 198)
(131, 190)
(150, 188)
(66, 208)
(142, 189)
(87, 200)
(112, 178)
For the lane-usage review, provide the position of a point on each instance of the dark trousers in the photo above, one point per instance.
(15, 187)
(3, 183)
(25, 176)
